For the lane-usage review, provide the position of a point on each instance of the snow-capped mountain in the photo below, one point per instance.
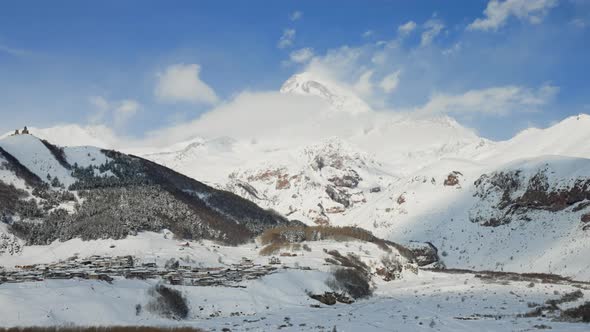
(410, 178)
(339, 98)
(430, 192)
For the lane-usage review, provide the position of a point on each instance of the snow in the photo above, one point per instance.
(32, 154)
(75, 135)
(8, 177)
(407, 156)
(340, 98)
(411, 303)
(85, 156)
(430, 302)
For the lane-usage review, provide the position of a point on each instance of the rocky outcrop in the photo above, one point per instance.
(330, 298)
(350, 179)
(401, 199)
(514, 193)
(338, 196)
(452, 179)
(326, 181)
(424, 253)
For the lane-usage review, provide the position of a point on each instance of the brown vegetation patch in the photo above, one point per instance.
(278, 238)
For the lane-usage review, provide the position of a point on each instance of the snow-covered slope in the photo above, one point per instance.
(525, 216)
(49, 192)
(569, 137)
(76, 135)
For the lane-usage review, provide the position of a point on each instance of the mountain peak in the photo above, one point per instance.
(340, 98)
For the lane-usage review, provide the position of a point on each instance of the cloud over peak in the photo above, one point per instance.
(495, 100)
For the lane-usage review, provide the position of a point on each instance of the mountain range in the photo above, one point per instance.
(517, 205)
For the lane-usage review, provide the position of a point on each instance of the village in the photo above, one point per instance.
(106, 268)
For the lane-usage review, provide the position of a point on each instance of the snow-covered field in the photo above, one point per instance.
(431, 302)
(423, 301)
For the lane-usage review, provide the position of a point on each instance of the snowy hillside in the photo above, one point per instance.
(52, 193)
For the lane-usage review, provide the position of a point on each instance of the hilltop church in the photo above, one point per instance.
(25, 131)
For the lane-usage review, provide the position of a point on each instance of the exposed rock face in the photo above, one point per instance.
(581, 206)
(514, 193)
(324, 182)
(350, 180)
(338, 195)
(424, 253)
(330, 298)
(401, 199)
(452, 179)
(585, 218)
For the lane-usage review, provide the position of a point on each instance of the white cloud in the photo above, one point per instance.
(579, 23)
(296, 15)
(368, 33)
(406, 28)
(182, 83)
(287, 38)
(268, 114)
(302, 55)
(364, 86)
(124, 111)
(121, 110)
(390, 82)
(100, 103)
(496, 100)
(432, 28)
(497, 13)
(14, 51)
(453, 49)
(337, 64)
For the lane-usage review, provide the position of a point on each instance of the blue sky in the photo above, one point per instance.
(496, 66)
